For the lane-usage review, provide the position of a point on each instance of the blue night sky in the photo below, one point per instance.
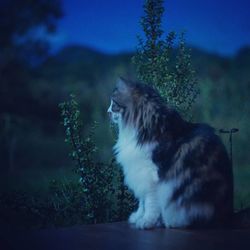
(111, 26)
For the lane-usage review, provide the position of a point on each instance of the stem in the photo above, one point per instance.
(73, 142)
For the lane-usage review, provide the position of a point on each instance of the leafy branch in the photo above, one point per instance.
(158, 63)
(102, 183)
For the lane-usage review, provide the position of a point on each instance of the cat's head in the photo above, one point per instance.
(139, 106)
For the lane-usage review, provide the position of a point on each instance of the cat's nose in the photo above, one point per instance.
(109, 113)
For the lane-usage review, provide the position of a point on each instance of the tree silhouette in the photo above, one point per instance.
(24, 27)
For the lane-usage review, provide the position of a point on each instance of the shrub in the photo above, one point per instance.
(159, 64)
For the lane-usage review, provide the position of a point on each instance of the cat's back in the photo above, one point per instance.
(198, 164)
(201, 146)
(196, 146)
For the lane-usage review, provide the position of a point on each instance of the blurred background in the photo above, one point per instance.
(49, 49)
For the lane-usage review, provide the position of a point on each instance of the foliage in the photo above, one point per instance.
(98, 179)
(96, 185)
(61, 207)
(157, 62)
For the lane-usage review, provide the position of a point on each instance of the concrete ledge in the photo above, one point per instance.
(120, 236)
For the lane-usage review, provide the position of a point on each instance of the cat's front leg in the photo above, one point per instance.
(151, 216)
(135, 216)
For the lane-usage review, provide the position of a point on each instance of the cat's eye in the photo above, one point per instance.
(115, 106)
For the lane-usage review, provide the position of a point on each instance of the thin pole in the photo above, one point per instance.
(230, 132)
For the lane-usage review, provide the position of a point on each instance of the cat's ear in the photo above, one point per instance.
(123, 85)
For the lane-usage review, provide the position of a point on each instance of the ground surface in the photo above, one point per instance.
(119, 236)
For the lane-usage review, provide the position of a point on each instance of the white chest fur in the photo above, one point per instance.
(139, 171)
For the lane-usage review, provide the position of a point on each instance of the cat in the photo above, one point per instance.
(179, 171)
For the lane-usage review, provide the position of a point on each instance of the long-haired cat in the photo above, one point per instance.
(179, 171)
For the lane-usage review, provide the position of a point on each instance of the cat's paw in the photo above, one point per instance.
(134, 217)
(147, 223)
